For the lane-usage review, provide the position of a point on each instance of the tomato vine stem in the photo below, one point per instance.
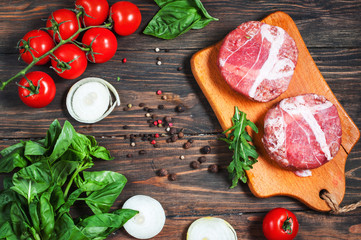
(50, 52)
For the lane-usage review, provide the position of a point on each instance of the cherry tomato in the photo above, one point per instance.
(40, 92)
(37, 42)
(64, 23)
(73, 61)
(280, 224)
(96, 11)
(126, 17)
(102, 42)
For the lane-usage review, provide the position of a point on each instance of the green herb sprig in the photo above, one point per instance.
(244, 153)
(36, 200)
(177, 17)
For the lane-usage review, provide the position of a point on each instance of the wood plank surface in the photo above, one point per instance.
(331, 31)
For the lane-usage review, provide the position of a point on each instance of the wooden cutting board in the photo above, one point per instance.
(266, 179)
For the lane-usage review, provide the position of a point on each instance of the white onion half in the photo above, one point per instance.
(150, 219)
(211, 228)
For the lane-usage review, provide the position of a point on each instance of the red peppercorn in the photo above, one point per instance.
(156, 135)
(153, 142)
(124, 60)
(170, 124)
(155, 123)
(159, 92)
(160, 121)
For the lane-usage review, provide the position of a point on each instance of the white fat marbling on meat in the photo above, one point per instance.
(273, 67)
(303, 173)
(298, 108)
(278, 127)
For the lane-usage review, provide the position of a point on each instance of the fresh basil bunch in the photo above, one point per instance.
(177, 17)
(36, 200)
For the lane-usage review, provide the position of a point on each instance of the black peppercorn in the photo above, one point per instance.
(129, 155)
(180, 135)
(180, 68)
(179, 108)
(161, 107)
(168, 119)
(168, 140)
(142, 152)
(150, 110)
(172, 130)
(141, 104)
(190, 140)
(202, 159)
(125, 108)
(162, 172)
(126, 127)
(195, 165)
(213, 168)
(156, 145)
(145, 108)
(174, 138)
(172, 177)
(206, 149)
(187, 145)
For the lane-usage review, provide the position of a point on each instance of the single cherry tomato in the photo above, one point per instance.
(102, 43)
(36, 42)
(72, 63)
(280, 224)
(37, 89)
(96, 11)
(62, 22)
(126, 17)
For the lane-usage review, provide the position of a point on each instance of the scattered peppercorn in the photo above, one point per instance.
(154, 116)
(180, 135)
(213, 168)
(159, 121)
(147, 114)
(160, 125)
(166, 50)
(195, 165)
(172, 177)
(159, 92)
(202, 159)
(125, 108)
(150, 110)
(155, 123)
(182, 157)
(162, 172)
(156, 135)
(156, 145)
(156, 49)
(179, 108)
(160, 107)
(159, 63)
(126, 127)
(124, 60)
(129, 105)
(132, 144)
(174, 138)
(145, 108)
(180, 68)
(164, 97)
(206, 149)
(159, 59)
(173, 130)
(168, 140)
(168, 119)
(187, 145)
(129, 155)
(167, 129)
(141, 104)
(142, 152)
(153, 142)
(190, 140)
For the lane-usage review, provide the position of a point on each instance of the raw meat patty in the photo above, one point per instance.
(302, 132)
(258, 60)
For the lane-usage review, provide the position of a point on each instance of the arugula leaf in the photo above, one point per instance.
(177, 17)
(244, 154)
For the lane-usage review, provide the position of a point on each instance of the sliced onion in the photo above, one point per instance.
(150, 219)
(211, 228)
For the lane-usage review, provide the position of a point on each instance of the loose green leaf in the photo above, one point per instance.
(52, 134)
(101, 153)
(13, 159)
(65, 229)
(244, 154)
(61, 170)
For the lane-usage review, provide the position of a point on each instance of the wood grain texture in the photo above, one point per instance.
(267, 179)
(330, 29)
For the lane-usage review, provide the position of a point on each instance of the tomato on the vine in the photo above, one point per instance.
(71, 62)
(62, 22)
(102, 43)
(280, 224)
(36, 42)
(126, 17)
(96, 11)
(37, 89)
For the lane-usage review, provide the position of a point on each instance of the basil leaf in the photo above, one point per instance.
(47, 216)
(12, 160)
(63, 142)
(19, 219)
(65, 229)
(174, 19)
(52, 134)
(101, 153)
(99, 226)
(61, 170)
(34, 215)
(162, 3)
(12, 148)
(32, 180)
(57, 198)
(6, 232)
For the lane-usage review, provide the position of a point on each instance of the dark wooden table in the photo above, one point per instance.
(330, 29)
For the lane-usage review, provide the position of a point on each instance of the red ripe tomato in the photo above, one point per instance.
(280, 224)
(39, 91)
(102, 42)
(126, 17)
(96, 11)
(37, 42)
(73, 61)
(64, 23)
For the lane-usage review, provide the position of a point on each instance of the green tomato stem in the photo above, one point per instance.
(50, 52)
